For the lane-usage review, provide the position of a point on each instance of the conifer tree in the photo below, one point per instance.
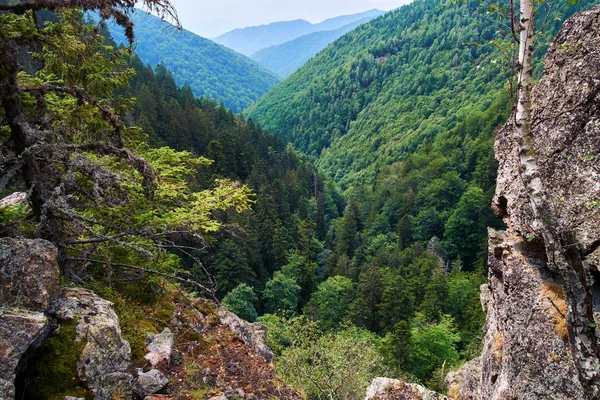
(95, 189)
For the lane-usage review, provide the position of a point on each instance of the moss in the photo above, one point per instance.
(53, 368)
(133, 321)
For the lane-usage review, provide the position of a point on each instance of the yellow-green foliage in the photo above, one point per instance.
(555, 294)
(54, 367)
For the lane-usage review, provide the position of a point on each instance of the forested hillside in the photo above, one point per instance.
(152, 196)
(293, 205)
(393, 270)
(254, 38)
(285, 58)
(210, 70)
(374, 95)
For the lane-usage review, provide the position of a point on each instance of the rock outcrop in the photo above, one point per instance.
(106, 356)
(465, 384)
(28, 278)
(149, 383)
(543, 296)
(28, 273)
(254, 334)
(19, 329)
(393, 389)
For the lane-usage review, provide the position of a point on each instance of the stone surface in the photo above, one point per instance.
(158, 397)
(19, 329)
(566, 130)
(106, 356)
(160, 347)
(28, 273)
(14, 199)
(254, 334)
(393, 389)
(147, 383)
(465, 384)
(542, 299)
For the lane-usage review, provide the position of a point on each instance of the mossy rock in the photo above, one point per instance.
(52, 371)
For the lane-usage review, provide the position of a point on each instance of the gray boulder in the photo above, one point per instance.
(28, 273)
(28, 278)
(160, 347)
(254, 334)
(147, 383)
(393, 389)
(19, 329)
(465, 384)
(106, 356)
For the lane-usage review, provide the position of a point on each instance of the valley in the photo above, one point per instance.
(349, 190)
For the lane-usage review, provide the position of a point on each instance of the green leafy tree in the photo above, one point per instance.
(281, 293)
(463, 229)
(348, 236)
(231, 267)
(240, 301)
(433, 345)
(333, 365)
(436, 300)
(397, 301)
(329, 305)
(303, 272)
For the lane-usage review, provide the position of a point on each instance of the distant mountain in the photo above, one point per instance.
(252, 39)
(211, 70)
(285, 58)
(379, 92)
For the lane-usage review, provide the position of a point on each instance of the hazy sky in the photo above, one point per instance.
(210, 18)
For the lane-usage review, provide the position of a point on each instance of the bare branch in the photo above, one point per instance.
(153, 272)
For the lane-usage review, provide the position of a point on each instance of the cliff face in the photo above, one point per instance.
(543, 296)
(69, 342)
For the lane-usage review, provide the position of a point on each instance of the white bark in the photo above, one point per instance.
(523, 114)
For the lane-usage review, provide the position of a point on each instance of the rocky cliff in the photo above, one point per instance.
(543, 296)
(71, 343)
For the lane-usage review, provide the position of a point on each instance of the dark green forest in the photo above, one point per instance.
(377, 260)
(346, 209)
(211, 70)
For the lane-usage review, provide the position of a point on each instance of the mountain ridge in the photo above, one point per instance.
(285, 58)
(210, 69)
(251, 39)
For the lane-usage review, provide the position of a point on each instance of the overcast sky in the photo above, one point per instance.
(210, 18)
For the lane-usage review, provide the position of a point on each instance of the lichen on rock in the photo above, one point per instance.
(105, 358)
(394, 389)
(28, 273)
(19, 329)
(542, 299)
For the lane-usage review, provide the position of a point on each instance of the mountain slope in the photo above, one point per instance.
(251, 39)
(375, 94)
(210, 70)
(285, 58)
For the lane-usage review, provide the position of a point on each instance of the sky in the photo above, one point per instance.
(210, 18)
